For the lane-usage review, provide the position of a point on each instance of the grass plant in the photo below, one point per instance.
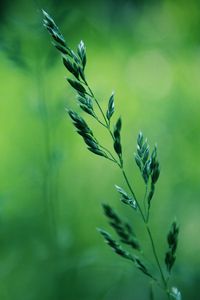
(127, 245)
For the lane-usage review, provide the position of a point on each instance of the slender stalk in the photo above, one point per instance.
(156, 256)
(97, 102)
(151, 294)
(133, 194)
(144, 202)
(49, 205)
(113, 158)
(145, 220)
(148, 231)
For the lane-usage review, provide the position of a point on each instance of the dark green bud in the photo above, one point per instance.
(76, 85)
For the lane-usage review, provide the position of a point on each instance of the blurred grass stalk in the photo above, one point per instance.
(47, 182)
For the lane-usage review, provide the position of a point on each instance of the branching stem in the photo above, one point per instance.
(144, 218)
(76, 66)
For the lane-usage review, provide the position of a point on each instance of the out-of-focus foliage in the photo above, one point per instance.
(51, 187)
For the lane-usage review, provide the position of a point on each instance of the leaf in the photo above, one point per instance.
(47, 19)
(120, 251)
(87, 109)
(111, 214)
(62, 49)
(118, 127)
(118, 147)
(91, 142)
(81, 72)
(138, 161)
(144, 147)
(155, 172)
(173, 236)
(116, 133)
(75, 57)
(125, 198)
(148, 166)
(150, 195)
(76, 85)
(86, 101)
(82, 53)
(111, 107)
(122, 192)
(141, 266)
(71, 67)
(81, 126)
(175, 293)
(172, 239)
(115, 246)
(86, 104)
(122, 228)
(153, 158)
(145, 155)
(98, 152)
(145, 173)
(140, 139)
(53, 29)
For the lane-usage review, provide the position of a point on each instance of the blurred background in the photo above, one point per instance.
(51, 187)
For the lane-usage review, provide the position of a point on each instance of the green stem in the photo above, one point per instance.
(144, 202)
(99, 106)
(100, 122)
(145, 220)
(150, 236)
(151, 296)
(133, 194)
(156, 256)
(49, 205)
(112, 157)
(106, 125)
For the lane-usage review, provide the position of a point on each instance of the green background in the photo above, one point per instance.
(51, 187)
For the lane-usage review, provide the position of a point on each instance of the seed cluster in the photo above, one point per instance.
(148, 165)
(125, 198)
(125, 254)
(123, 229)
(172, 239)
